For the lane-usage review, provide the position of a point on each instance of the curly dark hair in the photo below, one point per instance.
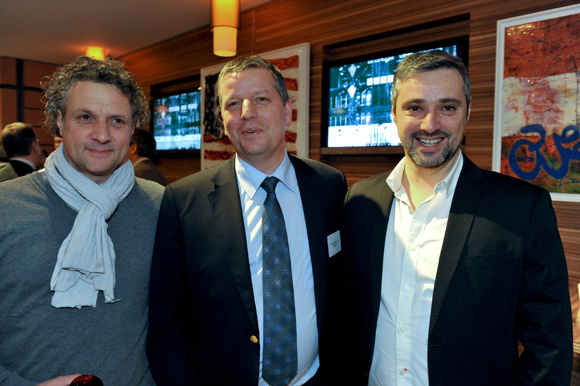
(87, 69)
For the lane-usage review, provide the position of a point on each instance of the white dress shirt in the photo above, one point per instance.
(412, 249)
(252, 197)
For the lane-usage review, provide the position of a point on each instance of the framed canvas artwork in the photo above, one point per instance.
(537, 101)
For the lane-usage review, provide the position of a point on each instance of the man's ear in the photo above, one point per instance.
(60, 123)
(133, 148)
(35, 147)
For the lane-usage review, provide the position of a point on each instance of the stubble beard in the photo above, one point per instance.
(429, 160)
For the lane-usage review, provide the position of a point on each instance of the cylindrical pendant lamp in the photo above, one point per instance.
(225, 23)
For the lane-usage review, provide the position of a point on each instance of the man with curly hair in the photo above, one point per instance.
(77, 238)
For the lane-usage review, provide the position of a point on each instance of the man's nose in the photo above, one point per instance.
(101, 132)
(248, 110)
(430, 123)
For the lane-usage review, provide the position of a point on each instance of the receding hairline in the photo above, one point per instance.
(232, 74)
(422, 71)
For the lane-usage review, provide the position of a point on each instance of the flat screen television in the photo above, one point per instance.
(356, 105)
(176, 122)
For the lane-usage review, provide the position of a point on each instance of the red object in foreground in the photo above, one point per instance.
(86, 380)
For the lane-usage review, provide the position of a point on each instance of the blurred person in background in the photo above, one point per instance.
(142, 153)
(22, 151)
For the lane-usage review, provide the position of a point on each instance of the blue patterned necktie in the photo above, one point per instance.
(280, 362)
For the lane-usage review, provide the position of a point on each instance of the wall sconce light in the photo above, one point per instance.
(225, 23)
(95, 52)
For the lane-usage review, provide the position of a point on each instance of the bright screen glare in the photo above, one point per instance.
(177, 121)
(360, 102)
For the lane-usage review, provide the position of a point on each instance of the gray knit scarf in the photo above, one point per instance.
(86, 259)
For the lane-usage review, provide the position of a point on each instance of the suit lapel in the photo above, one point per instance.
(226, 211)
(379, 234)
(463, 208)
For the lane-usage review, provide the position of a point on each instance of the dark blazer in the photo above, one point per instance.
(501, 278)
(14, 169)
(148, 170)
(202, 311)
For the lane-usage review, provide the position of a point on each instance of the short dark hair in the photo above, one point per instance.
(428, 61)
(145, 141)
(17, 139)
(87, 69)
(246, 62)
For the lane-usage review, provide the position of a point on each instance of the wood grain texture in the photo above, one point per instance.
(375, 26)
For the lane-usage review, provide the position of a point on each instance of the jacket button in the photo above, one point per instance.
(253, 339)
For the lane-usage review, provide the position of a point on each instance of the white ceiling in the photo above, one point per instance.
(56, 31)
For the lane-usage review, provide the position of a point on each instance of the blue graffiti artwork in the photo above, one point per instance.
(526, 152)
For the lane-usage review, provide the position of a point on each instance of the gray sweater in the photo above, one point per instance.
(39, 342)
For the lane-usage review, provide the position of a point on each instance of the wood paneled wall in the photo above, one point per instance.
(20, 95)
(328, 23)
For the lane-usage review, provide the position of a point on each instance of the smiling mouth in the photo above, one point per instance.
(430, 142)
(100, 151)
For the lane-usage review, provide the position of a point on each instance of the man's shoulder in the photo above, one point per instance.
(315, 168)
(151, 190)
(204, 179)
(7, 172)
(146, 169)
(145, 165)
(502, 179)
(370, 184)
(23, 194)
(151, 187)
(500, 184)
(19, 185)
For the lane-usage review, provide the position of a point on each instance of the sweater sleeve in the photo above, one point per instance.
(10, 378)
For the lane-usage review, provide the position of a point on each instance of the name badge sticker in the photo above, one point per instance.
(333, 243)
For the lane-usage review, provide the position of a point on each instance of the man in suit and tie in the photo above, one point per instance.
(449, 266)
(22, 150)
(242, 252)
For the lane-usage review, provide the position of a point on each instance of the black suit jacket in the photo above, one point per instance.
(148, 170)
(501, 278)
(14, 169)
(202, 311)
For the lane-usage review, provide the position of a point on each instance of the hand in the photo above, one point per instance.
(65, 380)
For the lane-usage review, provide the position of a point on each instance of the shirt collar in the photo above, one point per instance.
(141, 159)
(27, 162)
(448, 184)
(251, 178)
